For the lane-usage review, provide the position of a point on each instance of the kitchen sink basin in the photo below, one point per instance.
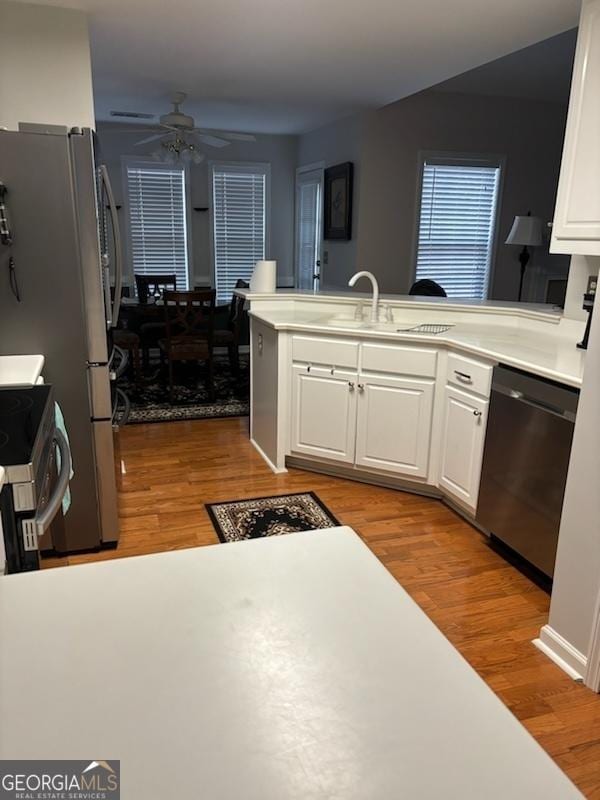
(395, 327)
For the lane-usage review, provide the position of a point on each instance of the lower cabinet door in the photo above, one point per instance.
(324, 413)
(394, 424)
(462, 446)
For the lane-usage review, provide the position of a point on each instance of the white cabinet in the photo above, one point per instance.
(462, 446)
(394, 424)
(576, 226)
(324, 412)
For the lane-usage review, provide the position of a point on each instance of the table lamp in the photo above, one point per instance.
(526, 231)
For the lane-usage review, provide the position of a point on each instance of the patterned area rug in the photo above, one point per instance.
(150, 401)
(269, 516)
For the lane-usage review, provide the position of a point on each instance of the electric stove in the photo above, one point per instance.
(27, 452)
(26, 425)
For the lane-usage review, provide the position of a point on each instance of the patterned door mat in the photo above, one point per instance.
(269, 516)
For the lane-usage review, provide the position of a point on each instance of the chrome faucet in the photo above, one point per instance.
(375, 301)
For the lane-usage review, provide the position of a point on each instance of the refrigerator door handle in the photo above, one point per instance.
(113, 313)
(43, 520)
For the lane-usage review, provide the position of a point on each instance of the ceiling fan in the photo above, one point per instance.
(181, 137)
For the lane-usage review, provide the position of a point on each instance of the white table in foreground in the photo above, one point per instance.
(289, 667)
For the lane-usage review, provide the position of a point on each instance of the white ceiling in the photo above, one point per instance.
(277, 66)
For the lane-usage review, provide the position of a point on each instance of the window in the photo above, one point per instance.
(239, 208)
(158, 225)
(457, 224)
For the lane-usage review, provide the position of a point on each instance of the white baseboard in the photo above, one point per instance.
(564, 655)
(266, 458)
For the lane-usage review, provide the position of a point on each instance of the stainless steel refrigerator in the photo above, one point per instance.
(55, 299)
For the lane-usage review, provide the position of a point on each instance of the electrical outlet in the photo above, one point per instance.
(592, 284)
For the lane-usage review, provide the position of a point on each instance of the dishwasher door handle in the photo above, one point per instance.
(521, 397)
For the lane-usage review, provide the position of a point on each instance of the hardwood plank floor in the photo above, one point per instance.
(485, 607)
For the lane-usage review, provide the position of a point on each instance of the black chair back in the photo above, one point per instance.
(427, 288)
(147, 285)
(190, 315)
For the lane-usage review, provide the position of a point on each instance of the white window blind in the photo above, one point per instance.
(456, 226)
(158, 221)
(239, 221)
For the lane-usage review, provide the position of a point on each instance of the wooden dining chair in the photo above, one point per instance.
(189, 322)
(151, 285)
(153, 330)
(230, 336)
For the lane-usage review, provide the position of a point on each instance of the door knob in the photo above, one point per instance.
(351, 385)
(361, 387)
(476, 413)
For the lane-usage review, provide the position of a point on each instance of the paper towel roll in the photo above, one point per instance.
(264, 277)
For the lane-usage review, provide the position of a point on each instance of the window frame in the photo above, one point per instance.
(250, 167)
(141, 162)
(450, 158)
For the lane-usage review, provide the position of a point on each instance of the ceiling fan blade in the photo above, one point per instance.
(149, 139)
(212, 141)
(230, 135)
(139, 129)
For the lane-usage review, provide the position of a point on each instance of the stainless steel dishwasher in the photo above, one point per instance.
(525, 462)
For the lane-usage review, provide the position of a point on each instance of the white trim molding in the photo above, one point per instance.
(266, 459)
(592, 675)
(564, 655)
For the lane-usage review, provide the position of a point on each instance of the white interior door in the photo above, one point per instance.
(309, 201)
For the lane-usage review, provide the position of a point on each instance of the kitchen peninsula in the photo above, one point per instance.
(400, 402)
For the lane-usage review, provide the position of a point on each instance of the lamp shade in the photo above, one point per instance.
(526, 230)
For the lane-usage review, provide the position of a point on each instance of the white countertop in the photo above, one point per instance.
(551, 353)
(543, 311)
(17, 371)
(288, 668)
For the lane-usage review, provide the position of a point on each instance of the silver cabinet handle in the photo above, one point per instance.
(476, 413)
(462, 376)
(332, 370)
(351, 385)
(361, 387)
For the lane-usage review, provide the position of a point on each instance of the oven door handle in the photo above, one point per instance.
(43, 520)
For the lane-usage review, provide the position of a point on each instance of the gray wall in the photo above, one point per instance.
(333, 144)
(577, 576)
(529, 134)
(278, 151)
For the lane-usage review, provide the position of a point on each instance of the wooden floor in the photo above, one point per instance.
(485, 607)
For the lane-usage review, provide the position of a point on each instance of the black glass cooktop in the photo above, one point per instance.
(21, 414)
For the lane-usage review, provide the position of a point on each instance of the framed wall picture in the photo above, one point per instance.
(337, 216)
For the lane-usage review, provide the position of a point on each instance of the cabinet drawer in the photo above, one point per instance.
(475, 376)
(330, 352)
(418, 361)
